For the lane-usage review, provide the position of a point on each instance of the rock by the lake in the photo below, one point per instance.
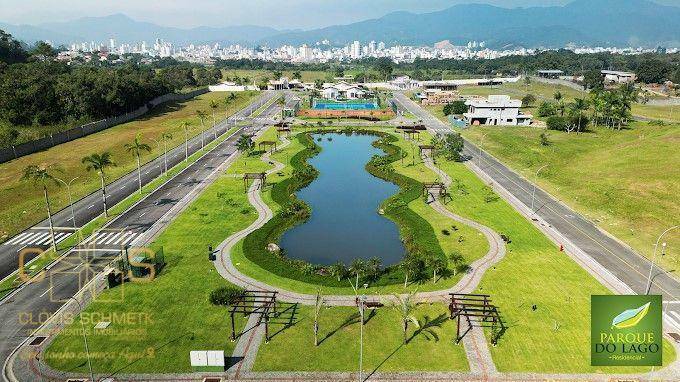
(272, 247)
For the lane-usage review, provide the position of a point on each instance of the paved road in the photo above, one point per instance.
(617, 258)
(27, 308)
(91, 205)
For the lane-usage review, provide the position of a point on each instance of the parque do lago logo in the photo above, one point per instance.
(625, 330)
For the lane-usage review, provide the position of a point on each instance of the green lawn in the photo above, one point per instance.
(180, 317)
(23, 203)
(292, 348)
(556, 336)
(625, 181)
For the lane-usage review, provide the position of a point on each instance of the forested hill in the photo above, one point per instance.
(582, 22)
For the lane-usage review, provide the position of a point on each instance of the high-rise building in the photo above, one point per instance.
(355, 50)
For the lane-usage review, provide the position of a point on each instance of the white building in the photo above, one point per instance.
(342, 89)
(228, 86)
(615, 77)
(496, 110)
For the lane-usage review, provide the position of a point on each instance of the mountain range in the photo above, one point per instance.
(581, 22)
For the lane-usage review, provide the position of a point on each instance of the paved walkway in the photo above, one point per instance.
(475, 344)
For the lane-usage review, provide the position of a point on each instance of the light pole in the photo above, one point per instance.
(663, 252)
(70, 198)
(481, 141)
(533, 194)
(362, 306)
(87, 349)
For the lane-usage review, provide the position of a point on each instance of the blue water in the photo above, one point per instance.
(345, 106)
(345, 198)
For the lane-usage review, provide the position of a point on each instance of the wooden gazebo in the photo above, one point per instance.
(426, 151)
(267, 144)
(476, 310)
(434, 187)
(261, 176)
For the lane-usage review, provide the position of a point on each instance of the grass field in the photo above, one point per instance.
(22, 202)
(625, 181)
(383, 342)
(554, 337)
(177, 314)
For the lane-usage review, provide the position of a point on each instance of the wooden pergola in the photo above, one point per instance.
(265, 144)
(426, 150)
(411, 134)
(261, 176)
(438, 187)
(283, 128)
(476, 310)
(262, 303)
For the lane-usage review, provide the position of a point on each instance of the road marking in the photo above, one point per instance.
(47, 291)
(672, 321)
(90, 206)
(676, 315)
(18, 238)
(113, 237)
(142, 214)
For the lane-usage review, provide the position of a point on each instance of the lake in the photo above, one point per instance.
(345, 198)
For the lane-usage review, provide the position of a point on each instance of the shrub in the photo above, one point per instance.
(225, 295)
(557, 123)
(546, 109)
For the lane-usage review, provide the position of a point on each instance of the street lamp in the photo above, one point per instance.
(70, 198)
(481, 141)
(533, 194)
(663, 252)
(362, 308)
(87, 349)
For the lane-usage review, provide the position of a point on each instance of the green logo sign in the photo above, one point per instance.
(625, 330)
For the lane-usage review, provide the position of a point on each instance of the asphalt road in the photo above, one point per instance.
(28, 307)
(91, 206)
(620, 260)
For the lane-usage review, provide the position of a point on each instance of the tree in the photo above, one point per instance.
(11, 51)
(166, 137)
(357, 268)
(373, 267)
(338, 270)
(43, 50)
(653, 70)
(557, 123)
(318, 304)
(244, 144)
(99, 163)
(405, 305)
(413, 266)
(546, 109)
(560, 102)
(214, 105)
(455, 107)
(437, 264)
(202, 116)
(579, 106)
(297, 75)
(544, 139)
(186, 126)
(453, 146)
(458, 261)
(318, 83)
(528, 100)
(136, 147)
(593, 79)
(385, 67)
(44, 176)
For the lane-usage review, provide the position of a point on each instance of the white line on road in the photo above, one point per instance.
(47, 291)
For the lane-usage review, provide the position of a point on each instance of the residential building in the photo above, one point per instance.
(343, 89)
(550, 73)
(616, 77)
(496, 110)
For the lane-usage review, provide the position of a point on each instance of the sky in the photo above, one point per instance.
(280, 14)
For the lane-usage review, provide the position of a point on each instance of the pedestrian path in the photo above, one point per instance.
(41, 237)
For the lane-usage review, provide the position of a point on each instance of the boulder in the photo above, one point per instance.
(273, 248)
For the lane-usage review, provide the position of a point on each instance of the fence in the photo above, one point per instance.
(13, 152)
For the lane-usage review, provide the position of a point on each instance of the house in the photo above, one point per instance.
(343, 89)
(280, 84)
(403, 83)
(551, 73)
(616, 77)
(496, 110)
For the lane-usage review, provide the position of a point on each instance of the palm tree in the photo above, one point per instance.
(136, 148)
(318, 304)
(405, 305)
(214, 105)
(579, 106)
(244, 144)
(186, 126)
(338, 270)
(437, 264)
(202, 116)
(44, 175)
(560, 103)
(281, 102)
(166, 137)
(99, 163)
(357, 267)
(457, 259)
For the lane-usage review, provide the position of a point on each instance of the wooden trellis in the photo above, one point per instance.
(434, 187)
(261, 176)
(476, 310)
(426, 150)
(262, 303)
(265, 144)
(282, 128)
(412, 134)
